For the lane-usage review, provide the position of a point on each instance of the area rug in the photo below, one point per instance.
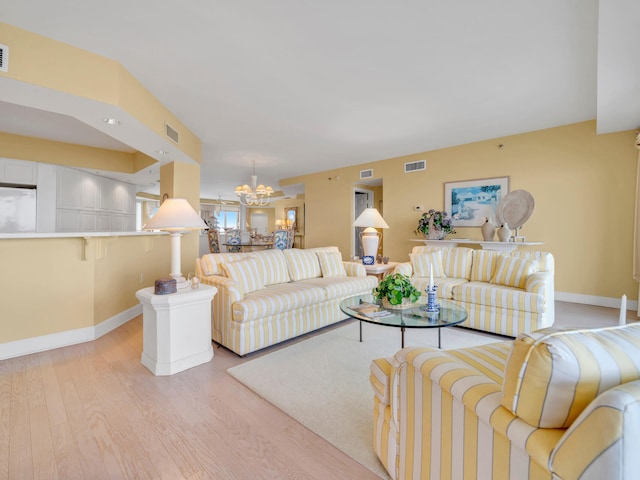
(323, 382)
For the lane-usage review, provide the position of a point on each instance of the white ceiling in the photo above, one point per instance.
(302, 86)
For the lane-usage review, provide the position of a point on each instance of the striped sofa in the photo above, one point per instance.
(503, 293)
(549, 405)
(266, 297)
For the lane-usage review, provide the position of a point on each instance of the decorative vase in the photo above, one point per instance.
(406, 303)
(488, 230)
(504, 233)
(435, 234)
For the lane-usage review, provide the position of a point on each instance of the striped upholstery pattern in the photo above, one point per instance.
(522, 301)
(247, 273)
(354, 269)
(611, 425)
(331, 264)
(276, 299)
(457, 262)
(422, 264)
(436, 424)
(481, 293)
(302, 264)
(248, 322)
(439, 415)
(552, 376)
(483, 265)
(513, 271)
(273, 266)
(445, 286)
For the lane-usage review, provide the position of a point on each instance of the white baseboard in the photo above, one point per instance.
(70, 337)
(594, 300)
(88, 334)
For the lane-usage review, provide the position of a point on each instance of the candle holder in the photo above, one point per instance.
(432, 306)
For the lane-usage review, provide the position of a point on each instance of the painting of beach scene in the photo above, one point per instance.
(470, 202)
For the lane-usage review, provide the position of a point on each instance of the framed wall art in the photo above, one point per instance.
(470, 201)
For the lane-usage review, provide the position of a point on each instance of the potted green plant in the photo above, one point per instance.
(396, 291)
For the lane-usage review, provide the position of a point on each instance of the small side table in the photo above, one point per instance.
(176, 329)
(380, 270)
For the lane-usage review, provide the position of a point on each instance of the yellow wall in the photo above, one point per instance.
(583, 185)
(33, 149)
(55, 65)
(46, 287)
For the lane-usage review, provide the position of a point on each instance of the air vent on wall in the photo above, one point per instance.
(415, 166)
(4, 58)
(366, 173)
(172, 133)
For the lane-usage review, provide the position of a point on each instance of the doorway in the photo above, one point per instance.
(363, 199)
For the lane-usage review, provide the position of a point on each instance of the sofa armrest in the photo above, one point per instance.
(354, 269)
(404, 269)
(229, 292)
(603, 441)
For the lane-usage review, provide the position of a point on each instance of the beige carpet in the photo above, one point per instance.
(323, 382)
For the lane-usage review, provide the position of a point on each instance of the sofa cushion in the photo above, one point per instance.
(274, 266)
(513, 271)
(211, 263)
(551, 376)
(491, 295)
(342, 287)
(545, 259)
(457, 262)
(302, 264)
(445, 289)
(276, 299)
(331, 264)
(422, 263)
(483, 265)
(247, 272)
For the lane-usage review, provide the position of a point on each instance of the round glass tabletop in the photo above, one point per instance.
(368, 309)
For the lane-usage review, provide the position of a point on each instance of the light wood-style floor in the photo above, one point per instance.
(92, 411)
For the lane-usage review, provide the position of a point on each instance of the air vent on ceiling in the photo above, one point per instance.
(4, 58)
(415, 166)
(366, 173)
(172, 133)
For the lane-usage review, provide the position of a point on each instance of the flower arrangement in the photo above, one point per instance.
(434, 224)
(394, 288)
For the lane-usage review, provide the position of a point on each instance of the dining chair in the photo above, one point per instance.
(281, 239)
(214, 241)
(234, 241)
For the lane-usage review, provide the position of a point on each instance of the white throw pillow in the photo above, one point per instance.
(331, 264)
(422, 263)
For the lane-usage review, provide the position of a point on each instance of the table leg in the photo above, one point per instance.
(361, 330)
(439, 337)
(402, 330)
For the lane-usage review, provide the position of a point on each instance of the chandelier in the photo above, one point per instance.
(254, 195)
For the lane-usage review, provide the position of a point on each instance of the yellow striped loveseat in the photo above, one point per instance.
(548, 405)
(503, 293)
(266, 297)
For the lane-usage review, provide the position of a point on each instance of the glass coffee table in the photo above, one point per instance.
(367, 308)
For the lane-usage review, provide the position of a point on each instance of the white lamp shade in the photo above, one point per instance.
(175, 214)
(370, 218)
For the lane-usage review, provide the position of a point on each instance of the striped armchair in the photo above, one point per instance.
(549, 405)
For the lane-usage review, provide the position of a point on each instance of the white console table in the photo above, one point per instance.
(176, 329)
(497, 246)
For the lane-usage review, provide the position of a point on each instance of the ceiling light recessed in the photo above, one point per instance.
(163, 152)
(111, 121)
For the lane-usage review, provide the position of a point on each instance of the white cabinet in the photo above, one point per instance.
(18, 172)
(89, 203)
(77, 189)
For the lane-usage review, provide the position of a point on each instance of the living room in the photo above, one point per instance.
(63, 291)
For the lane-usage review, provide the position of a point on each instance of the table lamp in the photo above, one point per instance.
(370, 237)
(174, 216)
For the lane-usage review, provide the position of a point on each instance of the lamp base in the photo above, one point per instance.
(181, 282)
